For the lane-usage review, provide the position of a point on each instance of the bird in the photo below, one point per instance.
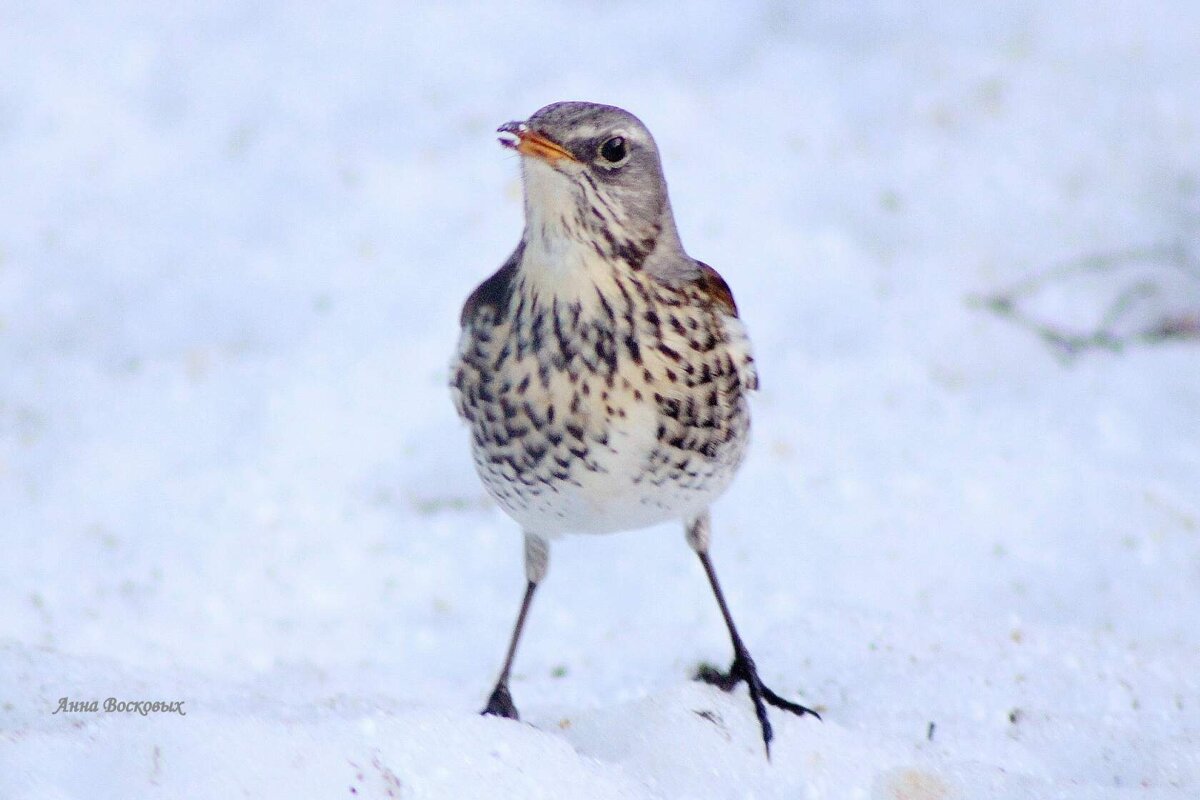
(603, 372)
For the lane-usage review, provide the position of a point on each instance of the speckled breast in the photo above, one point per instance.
(613, 409)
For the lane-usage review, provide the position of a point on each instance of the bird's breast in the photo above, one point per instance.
(609, 405)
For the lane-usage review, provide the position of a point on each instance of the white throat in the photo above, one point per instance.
(558, 259)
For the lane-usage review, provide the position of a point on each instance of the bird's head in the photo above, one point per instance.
(593, 176)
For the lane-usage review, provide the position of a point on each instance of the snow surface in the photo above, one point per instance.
(234, 243)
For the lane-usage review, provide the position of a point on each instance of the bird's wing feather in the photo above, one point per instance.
(714, 287)
(494, 292)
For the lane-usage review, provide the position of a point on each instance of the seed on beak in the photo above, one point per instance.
(510, 134)
(518, 136)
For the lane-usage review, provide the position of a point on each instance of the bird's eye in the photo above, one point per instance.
(614, 150)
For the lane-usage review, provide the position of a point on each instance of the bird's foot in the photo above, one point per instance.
(743, 669)
(500, 704)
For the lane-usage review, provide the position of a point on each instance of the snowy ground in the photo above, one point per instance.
(233, 245)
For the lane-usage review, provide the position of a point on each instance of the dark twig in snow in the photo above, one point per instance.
(1068, 344)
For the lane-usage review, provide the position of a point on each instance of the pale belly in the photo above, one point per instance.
(582, 454)
(625, 478)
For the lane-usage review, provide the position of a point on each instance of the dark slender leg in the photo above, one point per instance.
(500, 704)
(743, 668)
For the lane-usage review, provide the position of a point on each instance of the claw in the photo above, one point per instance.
(725, 681)
(787, 705)
(500, 704)
(743, 669)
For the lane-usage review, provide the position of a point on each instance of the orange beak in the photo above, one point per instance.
(527, 142)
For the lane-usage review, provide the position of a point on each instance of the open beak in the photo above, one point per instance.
(518, 136)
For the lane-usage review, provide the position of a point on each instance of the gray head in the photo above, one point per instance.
(593, 176)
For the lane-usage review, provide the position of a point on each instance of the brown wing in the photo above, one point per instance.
(494, 292)
(715, 289)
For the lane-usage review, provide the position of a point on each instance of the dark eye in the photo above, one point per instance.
(613, 150)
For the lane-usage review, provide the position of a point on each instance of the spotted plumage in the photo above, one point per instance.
(612, 409)
(602, 371)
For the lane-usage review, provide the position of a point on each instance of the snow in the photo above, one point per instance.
(234, 243)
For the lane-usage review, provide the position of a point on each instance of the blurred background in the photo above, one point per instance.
(235, 239)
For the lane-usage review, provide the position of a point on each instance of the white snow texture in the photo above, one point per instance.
(234, 241)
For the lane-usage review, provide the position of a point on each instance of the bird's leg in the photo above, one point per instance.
(500, 704)
(743, 668)
(537, 557)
